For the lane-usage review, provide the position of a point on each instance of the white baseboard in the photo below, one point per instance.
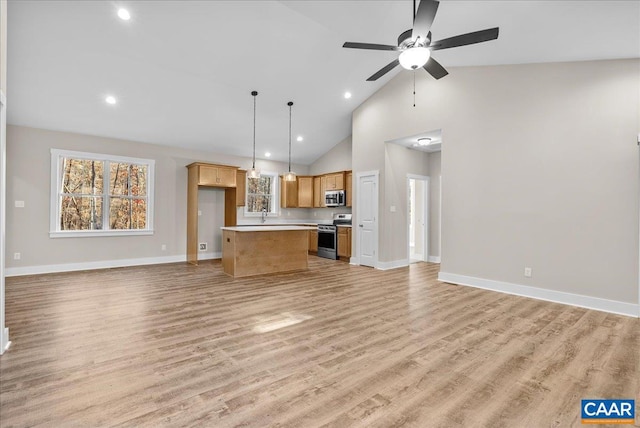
(433, 259)
(7, 344)
(103, 264)
(392, 265)
(612, 306)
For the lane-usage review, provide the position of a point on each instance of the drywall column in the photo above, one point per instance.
(4, 332)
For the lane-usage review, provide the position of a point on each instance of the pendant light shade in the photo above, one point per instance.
(290, 176)
(253, 172)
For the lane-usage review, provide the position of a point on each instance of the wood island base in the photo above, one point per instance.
(248, 251)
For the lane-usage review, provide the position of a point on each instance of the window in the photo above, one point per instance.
(262, 194)
(98, 195)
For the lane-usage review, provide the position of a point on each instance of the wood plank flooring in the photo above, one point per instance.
(335, 346)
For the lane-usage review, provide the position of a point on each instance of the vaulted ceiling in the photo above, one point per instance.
(182, 71)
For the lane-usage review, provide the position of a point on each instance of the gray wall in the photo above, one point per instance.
(399, 161)
(434, 203)
(539, 167)
(28, 179)
(336, 159)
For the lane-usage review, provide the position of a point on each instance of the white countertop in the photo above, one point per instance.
(267, 228)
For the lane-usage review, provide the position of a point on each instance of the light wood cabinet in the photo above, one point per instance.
(313, 241)
(344, 241)
(348, 186)
(318, 197)
(305, 191)
(216, 175)
(323, 188)
(241, 188)
(209, 175)
(288, 193)
(335, 181)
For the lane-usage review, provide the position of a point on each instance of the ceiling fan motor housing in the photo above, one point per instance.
(405, 41)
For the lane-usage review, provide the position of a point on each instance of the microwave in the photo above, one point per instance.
(335, 198)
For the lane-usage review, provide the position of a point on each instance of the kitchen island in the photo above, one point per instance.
(255, 250)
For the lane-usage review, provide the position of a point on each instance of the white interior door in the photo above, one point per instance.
(367, 213)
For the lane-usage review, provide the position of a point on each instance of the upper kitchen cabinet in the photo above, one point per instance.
(348, 186)
(241, 187)
(215, 175)
(318, 195)
(288, 193)
(335, 181)
(305, 191)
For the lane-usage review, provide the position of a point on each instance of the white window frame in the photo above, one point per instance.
(275, 206)
(56, 186)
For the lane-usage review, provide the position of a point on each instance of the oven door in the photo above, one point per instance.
(327, 242)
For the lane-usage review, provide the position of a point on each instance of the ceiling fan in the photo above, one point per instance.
(415, 45)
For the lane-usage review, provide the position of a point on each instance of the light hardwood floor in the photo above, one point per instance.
(338, 345)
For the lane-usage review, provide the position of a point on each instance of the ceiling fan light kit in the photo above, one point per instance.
(415, 57)
(416, 46)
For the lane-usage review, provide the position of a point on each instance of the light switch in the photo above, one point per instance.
(199, 212)
(393, 208)
(19, 204)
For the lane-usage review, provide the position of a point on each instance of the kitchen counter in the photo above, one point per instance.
(268, 228)
(256, 250)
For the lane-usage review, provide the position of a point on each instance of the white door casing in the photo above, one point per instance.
(367, 218)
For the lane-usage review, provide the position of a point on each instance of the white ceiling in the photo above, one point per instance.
(183, 71)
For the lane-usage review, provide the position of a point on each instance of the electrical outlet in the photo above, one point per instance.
(164, 247)
(19, 204)
(16, 256)
(528, 272)
(203, 246)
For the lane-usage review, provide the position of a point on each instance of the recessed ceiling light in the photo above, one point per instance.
(267, 154)
(347, 95)
(124, 14)
(110, 99)
(299, 138)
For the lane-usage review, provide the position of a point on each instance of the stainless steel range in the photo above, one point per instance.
(327, 236)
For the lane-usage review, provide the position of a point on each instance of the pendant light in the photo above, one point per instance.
(290, 176)
(253, 172)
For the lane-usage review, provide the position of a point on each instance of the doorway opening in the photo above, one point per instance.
(418, 221)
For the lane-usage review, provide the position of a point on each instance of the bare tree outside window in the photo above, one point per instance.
(260, 194)
(100, 194)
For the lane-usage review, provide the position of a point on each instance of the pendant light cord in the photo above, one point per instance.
(253, 165)
(290, 104)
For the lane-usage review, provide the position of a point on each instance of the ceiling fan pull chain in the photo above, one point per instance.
(414, 88)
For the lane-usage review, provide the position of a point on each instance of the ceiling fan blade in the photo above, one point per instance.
(424, 18)
(373, 46)
(466, 39)
(384, 70)
(434, 68)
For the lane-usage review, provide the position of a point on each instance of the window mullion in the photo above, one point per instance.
(106, 198)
